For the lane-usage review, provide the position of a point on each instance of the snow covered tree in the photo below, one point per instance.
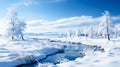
(91, 32)
(107, 24)
(16, 25)
(20, 26)
(69, 34)
(105, 28)
(77, 33)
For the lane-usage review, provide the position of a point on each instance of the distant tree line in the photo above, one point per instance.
(103, 30)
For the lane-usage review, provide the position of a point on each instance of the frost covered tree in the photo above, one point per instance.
(20, 27)
(107, 24)
(91, 32)
(105, 28)
(77, 33)
(69, 34)
(16, 25)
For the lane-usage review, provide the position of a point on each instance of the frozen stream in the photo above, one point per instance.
(70, 52)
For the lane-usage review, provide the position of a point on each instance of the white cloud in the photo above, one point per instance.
(116, 18)
(23, 3)
(63, 25)
(26, 3)
(60, 25)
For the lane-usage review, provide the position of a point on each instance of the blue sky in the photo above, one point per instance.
(57, 9)
(59, 15)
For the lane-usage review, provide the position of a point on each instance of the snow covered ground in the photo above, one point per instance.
(109, 58)
(17, 52)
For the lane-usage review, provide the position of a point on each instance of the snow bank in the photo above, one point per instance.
(110, 58)
(104, 43)
(107, 59)
(14, 53)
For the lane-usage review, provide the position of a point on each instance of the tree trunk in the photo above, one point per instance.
(107, 20)
(22, 37)
(108, 35)
(12, 37)
(13, 29)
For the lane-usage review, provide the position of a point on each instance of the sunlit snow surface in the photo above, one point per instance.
(16, 52)
(13, 53)
(110, 58)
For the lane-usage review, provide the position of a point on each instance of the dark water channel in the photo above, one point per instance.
(71, 52)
